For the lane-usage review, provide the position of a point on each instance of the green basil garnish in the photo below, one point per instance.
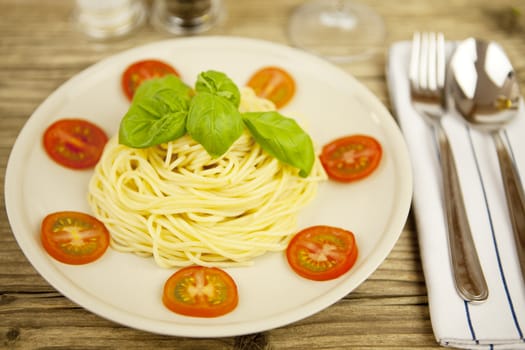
(157, 113)
(214, 122)
(164, 109)
(283, 138)
(218, 83)
(166, 85)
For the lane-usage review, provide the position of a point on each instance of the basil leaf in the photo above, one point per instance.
(283, 138)
(218, 83)
(157, 113)
(168, 84)
(214, 122)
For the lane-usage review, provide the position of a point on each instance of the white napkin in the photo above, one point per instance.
(498, 323)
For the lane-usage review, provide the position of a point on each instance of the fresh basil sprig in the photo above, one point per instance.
(214, 122)
(157, 113)
(283, 138)
(164, 109)
(218, 83)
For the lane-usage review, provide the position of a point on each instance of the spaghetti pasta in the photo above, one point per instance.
(178, 204)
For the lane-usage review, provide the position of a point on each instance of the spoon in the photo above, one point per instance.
(483, 88)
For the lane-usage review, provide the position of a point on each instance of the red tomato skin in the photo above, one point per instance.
(200, 306)
(305, 242)
(74, 143)
(50, 233)
(142, 70)
(274, 84)
(335, 168)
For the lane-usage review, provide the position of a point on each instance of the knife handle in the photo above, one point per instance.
(466, 268)
(515, 198)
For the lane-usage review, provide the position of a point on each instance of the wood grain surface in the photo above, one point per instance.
(40, 50)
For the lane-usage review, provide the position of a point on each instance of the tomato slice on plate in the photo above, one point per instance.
(139, 71)
(274, 84)
(200, 292)
(322, 253)
(75, 143)
(351, 158)
(74, 238)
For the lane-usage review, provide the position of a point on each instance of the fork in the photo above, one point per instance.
(427, 80)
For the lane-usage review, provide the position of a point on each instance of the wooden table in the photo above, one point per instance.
(39, 50)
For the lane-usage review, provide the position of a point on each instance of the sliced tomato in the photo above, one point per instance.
(351, 158)
(139, 71)
(74, 238)
(274, 84)
(322, 253)
(75, 143)
(200, 292)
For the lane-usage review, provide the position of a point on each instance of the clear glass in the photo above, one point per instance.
(340, 30)
(186, 16)
(109, 19)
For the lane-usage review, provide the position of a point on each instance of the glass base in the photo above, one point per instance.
(184, 22)
(340, 30)
(105, 24)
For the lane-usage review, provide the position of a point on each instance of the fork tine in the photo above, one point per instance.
(431, 62)
(441, 61)
(414, 61)
(423, 62)
(427, 62)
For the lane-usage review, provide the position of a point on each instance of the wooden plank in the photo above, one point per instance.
(40, 50)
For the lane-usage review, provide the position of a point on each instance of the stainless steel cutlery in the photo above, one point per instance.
(427, 81)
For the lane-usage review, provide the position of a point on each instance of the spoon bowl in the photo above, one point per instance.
(482, 86)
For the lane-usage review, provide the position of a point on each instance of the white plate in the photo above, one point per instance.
(127, 289)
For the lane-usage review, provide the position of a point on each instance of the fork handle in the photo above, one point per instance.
(468, 275)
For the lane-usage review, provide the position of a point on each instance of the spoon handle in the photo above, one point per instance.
(468, 275)
(515, 197)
